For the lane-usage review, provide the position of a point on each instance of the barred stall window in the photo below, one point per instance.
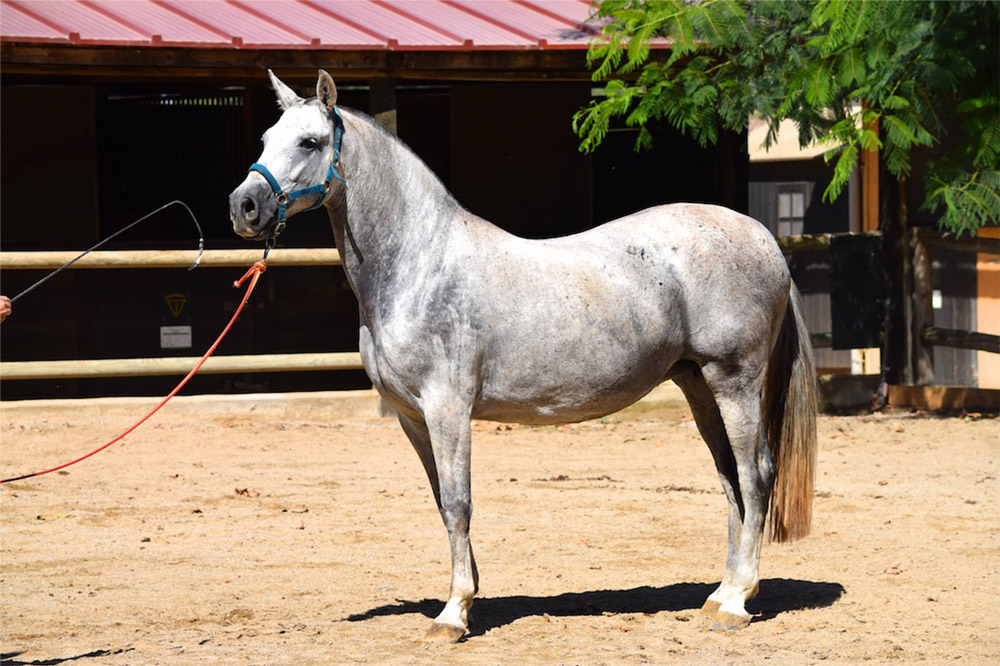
(191, 146)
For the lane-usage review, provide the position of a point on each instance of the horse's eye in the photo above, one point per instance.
(309, 144)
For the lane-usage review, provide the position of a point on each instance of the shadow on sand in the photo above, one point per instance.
(777, 595)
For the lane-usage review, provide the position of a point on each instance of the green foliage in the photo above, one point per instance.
(899, 77)
(966, 180)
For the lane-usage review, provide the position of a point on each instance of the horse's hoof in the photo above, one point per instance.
(444, 633)
(710, 607)
(730, 621)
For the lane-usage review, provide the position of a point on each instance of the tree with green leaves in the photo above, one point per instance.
(905, 78)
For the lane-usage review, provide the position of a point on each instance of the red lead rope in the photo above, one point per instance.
(253, 274)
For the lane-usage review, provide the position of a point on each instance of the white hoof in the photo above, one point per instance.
(445, 633)
(730, 621)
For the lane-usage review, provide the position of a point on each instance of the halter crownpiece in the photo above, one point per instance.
(322, 189)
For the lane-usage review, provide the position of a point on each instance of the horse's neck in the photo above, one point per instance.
(394, 207)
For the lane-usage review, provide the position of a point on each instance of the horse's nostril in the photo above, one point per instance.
(249, 207)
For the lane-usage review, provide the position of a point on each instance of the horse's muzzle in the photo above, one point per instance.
(252, 209)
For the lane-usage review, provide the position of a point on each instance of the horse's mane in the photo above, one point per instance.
(381, 133)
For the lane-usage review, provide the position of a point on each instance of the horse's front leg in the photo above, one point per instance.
(444, 444)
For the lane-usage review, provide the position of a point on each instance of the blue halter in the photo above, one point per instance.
(322, 189)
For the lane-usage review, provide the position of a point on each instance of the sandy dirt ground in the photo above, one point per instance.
(283, 531)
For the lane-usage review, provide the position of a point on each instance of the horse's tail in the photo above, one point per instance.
(790, 421)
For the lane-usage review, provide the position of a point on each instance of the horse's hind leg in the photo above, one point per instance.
(747, 474)
(738, 395)
(444, 449)
(713, 431)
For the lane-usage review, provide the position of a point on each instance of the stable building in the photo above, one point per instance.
(111, 110)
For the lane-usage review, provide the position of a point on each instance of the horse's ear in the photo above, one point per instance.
(286, 96)
(326, 90)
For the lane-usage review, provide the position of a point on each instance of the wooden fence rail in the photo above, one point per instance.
(147, 367)
(949, 337)
(813, 242)
(349, 360)
(949, 241)
(179, 365)
(168, 259)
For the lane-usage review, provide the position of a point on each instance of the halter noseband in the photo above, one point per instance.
(322, 189)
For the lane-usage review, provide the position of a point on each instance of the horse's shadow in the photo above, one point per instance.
(777, 595)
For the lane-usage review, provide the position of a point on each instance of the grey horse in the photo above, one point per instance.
(461, 320)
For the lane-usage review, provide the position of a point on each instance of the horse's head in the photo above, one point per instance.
(298, 166)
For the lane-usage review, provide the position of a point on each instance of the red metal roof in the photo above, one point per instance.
(302, 24)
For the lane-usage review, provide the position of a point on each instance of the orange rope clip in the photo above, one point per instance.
(255, 270)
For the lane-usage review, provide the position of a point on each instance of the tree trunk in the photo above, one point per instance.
(921, 309)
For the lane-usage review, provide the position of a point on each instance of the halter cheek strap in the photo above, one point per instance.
(323, 189)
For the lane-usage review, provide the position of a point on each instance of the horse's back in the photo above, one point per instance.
(680, 260)
(733, 275)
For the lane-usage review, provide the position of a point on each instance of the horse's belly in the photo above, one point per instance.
(574, 388)
(570, 407)
(583, 344)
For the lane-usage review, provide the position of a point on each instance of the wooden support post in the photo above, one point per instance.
(868, 211)
(921, 310)
(869, 185)
(906, 293)
(383, 102)
(895, 256)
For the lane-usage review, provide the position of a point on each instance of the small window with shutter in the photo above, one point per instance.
(791, 210)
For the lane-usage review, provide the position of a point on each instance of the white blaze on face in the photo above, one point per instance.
(297, 148)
